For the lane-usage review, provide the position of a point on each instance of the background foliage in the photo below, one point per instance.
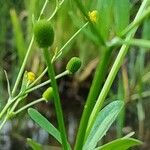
(131, 84)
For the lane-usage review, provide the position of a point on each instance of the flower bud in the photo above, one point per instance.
(30, 76)
(44, 34)
(93, 15)
(73, 65)
(48, 94)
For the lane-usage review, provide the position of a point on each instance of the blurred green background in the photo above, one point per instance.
(131, 85)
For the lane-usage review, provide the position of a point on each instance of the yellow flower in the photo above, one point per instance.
(93, 15)
(30, 76)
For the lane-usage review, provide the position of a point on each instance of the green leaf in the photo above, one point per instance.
(34, 145)
(105, 18)
(121, 14)
(8, 83)
(120, 144)
(102, 123)
(146, 29)
(44, 123)
(18, 35)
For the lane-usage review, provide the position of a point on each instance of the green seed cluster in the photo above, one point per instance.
(44, 34)
(48, 94)
(73, 65)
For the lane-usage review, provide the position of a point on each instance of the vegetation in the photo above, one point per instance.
(110, 37)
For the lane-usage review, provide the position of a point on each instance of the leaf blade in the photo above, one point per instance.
(18, 35)
(121, 144)
(44, 124)
(34, 145)
(102, 123)
(121, 14)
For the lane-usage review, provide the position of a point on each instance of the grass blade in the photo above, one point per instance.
(18, 35)
(121, 14)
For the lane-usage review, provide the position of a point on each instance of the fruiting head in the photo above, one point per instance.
(44, 34)
(73, 65)
(48, 94)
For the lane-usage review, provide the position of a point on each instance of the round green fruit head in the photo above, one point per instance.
(44, 34)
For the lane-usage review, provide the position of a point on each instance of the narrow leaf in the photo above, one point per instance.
(44, 124)
(18, 35)
(8, 83)
(146, 29)
(102, 123)
(34, 145)
(105, 18)
(121, 14)
(120, 144)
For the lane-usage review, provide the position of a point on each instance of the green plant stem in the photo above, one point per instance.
(15, 105)
(71, 39)
(4, 121)
(57, 102)
(144, 94)
(26, 56)
(8, 111)
(42, 10)
(94, 28)
(28, 105)
(54, 59)
(22, 67)
(38, 78)
(133, 42)
(8, 105)
(113, 72)
(92, 96)
(5, 109)
(47, 82)
(55, 10)
(135, 23)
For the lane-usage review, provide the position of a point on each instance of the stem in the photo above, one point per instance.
(28, 105)
(4, 121)
(26, 56)
(22, 67)
(56, 99)
(92, 97)
(42, 10)
(113, 72)
(68, 42)
(144, 94)
(136, 22)
(54, 59)
(15, 105)
(7, 105)
(5, 109)
(55, 10)
(95, 29)
(47, 82)
(134, 42)
(39, 77)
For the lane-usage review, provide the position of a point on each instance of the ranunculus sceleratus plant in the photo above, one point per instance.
(95, 121)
